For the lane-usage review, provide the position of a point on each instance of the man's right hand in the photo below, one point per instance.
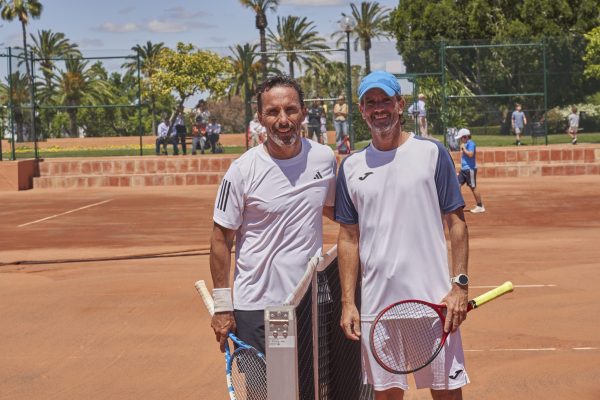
(350, 321)
(223, 323)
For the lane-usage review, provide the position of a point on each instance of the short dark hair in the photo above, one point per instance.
(278, 80)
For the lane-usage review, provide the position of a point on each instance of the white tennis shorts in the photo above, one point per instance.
(446, 372)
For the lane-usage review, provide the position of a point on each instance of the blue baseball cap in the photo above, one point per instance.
(381, 80)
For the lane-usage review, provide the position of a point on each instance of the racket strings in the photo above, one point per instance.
(249, 375)
(407, 336)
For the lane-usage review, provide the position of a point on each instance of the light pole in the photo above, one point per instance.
(347, 24)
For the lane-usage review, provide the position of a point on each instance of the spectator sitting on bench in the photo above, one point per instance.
(198, 137)
(213, 130)
(162, 136)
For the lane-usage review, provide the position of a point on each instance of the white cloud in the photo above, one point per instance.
(118, 28)
(167, 26)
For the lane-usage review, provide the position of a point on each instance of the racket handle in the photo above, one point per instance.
(478, 301)
(206, 297)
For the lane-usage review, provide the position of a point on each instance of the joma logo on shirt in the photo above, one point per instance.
(362, 178)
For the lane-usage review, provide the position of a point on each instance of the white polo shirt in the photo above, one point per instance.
(398, 198)
(276, 207)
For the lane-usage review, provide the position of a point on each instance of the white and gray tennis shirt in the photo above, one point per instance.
(276, 207)
(398, 198)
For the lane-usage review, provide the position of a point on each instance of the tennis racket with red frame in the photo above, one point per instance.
(408, 335)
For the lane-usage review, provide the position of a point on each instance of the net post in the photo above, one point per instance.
(282, 357)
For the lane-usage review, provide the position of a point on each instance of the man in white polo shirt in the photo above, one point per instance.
(271, 200)
(391, 201)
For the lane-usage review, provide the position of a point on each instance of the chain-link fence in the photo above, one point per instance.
(476, 84)
(80, 96)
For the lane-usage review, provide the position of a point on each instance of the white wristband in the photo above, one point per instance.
(222, 297)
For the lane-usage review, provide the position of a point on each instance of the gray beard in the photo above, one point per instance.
(281, 143)
(386, 130)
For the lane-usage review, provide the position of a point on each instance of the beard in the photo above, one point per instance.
(288, 139)
(384, 128)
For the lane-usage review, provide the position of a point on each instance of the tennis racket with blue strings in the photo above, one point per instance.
(246, 367)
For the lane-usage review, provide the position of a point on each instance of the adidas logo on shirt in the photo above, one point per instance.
(318, 175)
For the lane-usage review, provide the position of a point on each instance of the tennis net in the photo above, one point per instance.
(329, 365)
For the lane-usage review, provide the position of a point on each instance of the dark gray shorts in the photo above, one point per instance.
(468, 176)
(251, 328)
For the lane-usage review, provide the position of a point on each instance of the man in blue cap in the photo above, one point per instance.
(391, 201)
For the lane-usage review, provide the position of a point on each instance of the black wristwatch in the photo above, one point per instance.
(460, 279)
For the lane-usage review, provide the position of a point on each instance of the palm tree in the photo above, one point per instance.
(79, 85)
(18, 95)
(246, 68)
(23, 10)
(327, 79)
(260, 7)
(47, 47)
(370, 23)
(297, 34)
(148, 55)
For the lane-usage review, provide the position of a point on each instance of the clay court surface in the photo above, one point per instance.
(135, 328)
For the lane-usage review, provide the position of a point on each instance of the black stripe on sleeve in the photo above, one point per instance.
(223, 195)
(224, 187)
(226, 196)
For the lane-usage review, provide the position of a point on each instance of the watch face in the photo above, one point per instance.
(463, 279)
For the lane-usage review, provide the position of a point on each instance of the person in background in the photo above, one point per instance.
(180, 129)
(422, 115)
(162, 136)
(518, 122)
(213, 130)
(201, 113)
(198, 135)
(256, 132)
(314, 121)
(340, 114)
(304, 127)
(573, 127)
(468, 167)
(174, 139)
(324, 129)
(419, 113)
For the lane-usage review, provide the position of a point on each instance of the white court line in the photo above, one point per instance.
(516, 286)
(533, 349)
(65, 213)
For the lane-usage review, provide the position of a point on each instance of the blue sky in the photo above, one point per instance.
(112, 27)
(117, 25)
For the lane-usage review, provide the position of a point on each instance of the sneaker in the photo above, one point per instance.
(478, 209)
(574, 141)
(518, 142)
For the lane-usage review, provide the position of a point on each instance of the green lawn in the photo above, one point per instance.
(481, 140)
(29, 153)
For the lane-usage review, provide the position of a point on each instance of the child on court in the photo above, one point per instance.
(468, 167)
(518, 122)
(573, 125)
